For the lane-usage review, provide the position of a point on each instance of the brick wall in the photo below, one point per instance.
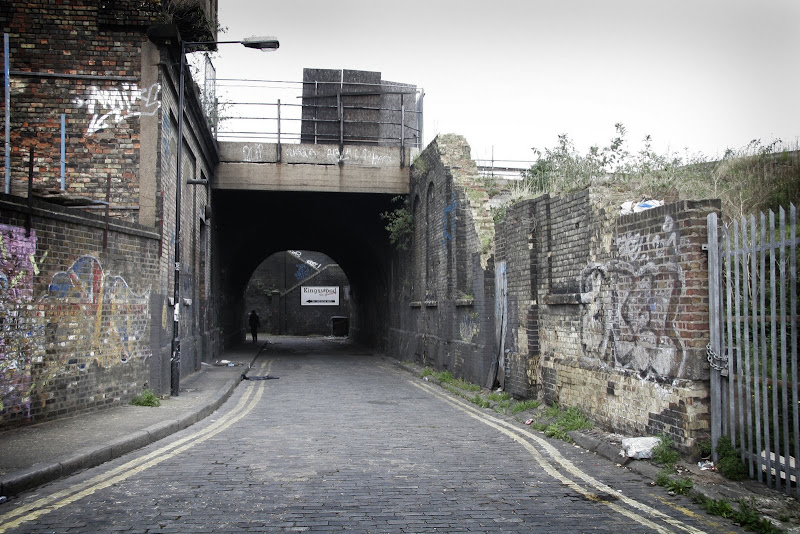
(75, 317)
(442, 309)
(93, 62)
(623, 314)
(604, 312)
(514, 246)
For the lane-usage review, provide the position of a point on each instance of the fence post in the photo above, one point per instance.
(279, 131)
(715, 330)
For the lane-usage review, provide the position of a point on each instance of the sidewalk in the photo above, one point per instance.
(34, 455)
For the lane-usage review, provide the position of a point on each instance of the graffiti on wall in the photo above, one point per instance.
(299, 255)
(253, 153)
(98, 314)
(111, 106)
(20, 323)
(630, 305)
(303, 271)
(449, 220)
(85, 317)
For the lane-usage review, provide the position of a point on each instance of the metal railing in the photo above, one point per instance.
(754, 319)
(316, 112)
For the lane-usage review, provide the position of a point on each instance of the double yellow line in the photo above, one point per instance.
(622, 504)
(60, 499)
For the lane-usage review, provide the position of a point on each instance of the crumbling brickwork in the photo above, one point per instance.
(442, 312)
(624, 310)
(573, 303)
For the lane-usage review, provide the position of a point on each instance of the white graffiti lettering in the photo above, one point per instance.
(108, 107)
(254, 153)
(630, 305)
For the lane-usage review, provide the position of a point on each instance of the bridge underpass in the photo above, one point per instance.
(268, 198)
(252, 225)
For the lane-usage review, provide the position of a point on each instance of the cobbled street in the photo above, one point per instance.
(344, 440)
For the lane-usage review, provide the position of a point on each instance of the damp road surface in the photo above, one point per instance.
(344, 441)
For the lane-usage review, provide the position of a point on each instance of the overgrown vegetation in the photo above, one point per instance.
(400, 223)
(525, 405)
(562, 421)
(681, 486)
(193, 21)
(665, 453)
(146, 398)
(754, 178)
(729, 463)
(747, 515)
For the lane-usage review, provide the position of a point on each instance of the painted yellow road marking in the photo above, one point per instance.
(59, 499)
(521, 437)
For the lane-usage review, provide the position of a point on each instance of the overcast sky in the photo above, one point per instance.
(698, 74)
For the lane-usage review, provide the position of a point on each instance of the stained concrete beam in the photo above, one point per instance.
(354, 155)
(312, 177)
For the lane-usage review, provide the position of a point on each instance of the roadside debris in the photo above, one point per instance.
(260, 377)
(638, 448)
(226, 363)
(635, 207)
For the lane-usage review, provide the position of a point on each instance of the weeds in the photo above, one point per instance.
(146, 398)
(498, 397)
(754, 178)
(664, 453)
(400, 223)
(681, 486)
(563, 421)
(522, 406)
(729, 463)
(480, 401)
(746, 516)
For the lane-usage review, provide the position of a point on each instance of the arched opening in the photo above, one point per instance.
(249, 227)
(300, 293)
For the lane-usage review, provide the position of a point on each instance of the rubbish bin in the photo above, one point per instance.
(339, 326)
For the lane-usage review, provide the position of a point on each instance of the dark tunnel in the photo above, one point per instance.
(249, 226)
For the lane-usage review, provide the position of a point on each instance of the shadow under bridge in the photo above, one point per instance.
(250, 226)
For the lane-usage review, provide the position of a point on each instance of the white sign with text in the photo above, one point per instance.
(319, 295)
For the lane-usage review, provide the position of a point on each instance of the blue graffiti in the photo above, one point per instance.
(303, 271)
(449, 220)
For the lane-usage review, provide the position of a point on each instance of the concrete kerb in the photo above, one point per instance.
(37, 475)
(709, 484)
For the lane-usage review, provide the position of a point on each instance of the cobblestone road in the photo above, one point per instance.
(346, 441)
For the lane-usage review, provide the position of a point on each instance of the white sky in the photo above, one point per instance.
(698, 74)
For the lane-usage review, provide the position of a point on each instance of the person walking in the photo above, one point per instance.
(255, 322)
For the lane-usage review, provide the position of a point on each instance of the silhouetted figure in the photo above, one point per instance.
(255, 322)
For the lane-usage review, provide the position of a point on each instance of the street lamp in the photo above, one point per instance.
(259, 43)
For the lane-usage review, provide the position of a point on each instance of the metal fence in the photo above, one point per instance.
(753, 314)
(384, 114)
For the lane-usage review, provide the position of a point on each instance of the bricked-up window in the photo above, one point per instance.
(429, 267)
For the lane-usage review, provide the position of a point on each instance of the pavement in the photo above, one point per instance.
(35, 455)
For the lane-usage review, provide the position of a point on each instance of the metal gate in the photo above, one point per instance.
(753, 316)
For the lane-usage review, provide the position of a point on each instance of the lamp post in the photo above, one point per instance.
(259, 43)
